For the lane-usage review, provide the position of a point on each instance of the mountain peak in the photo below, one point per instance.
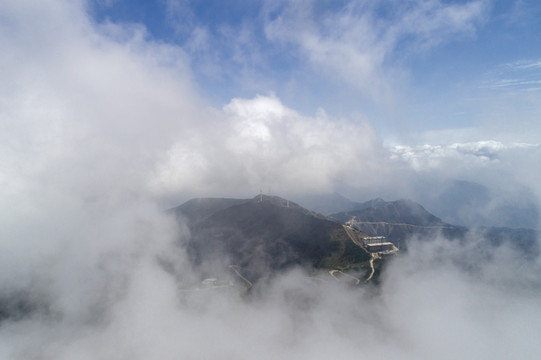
(267, 233)
(276, 200)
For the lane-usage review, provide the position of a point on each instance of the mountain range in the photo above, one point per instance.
(397, 221)
(269, 233)
(234, 243)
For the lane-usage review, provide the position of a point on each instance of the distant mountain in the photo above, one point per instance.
(196, 210)
(402, 219)
(267, 233)
(397, 220)
(327, 203)
(470, 204)
(522, 239)
(399, 212)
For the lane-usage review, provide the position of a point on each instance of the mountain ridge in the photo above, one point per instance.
(267, 233)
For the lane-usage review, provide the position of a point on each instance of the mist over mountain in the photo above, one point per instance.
(398, 221)
(327, 203)
(466, 207)
(267, 233)
(113, 111)
(471, 204)
(402, 220)
(399, 211)
(457, 202)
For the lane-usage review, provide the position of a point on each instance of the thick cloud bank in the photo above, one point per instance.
(260, 143)
(497, 186)
(442, 300)
(98, 124)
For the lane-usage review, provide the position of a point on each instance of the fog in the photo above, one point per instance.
(102, 129)
(441, 300)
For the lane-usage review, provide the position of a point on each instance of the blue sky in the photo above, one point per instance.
(112, 111)
(174, 99)
(432, 65)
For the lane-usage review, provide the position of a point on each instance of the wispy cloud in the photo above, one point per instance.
(98, 121)
(357, 44)
(524, 65)
(519, 76)
(481, 153)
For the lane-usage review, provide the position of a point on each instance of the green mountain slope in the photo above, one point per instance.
(267, 233)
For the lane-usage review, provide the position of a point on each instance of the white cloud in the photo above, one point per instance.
(84, 113)
(439, 301)
(505, 174)
(438, 157)
(519, 76)
(358, 46)
(260, 143)
(97, 120)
